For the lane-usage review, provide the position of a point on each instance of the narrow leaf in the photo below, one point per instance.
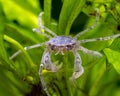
(47, 11)
(70, 10)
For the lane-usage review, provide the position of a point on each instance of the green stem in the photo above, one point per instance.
(12, 41)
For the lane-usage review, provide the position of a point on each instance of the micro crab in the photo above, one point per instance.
(62, 44)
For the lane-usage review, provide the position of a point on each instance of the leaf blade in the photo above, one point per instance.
(113, 58)
(70, 10)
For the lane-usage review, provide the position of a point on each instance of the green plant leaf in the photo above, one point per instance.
(47, 11)
(113, 58)
(69, 12)
(18, 17)
(10, 85)
(21, 48)
(20, 14)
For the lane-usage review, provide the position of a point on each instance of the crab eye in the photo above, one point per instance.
(52, 47)
(69, 47)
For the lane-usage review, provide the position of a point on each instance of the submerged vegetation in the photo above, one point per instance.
(19, 77)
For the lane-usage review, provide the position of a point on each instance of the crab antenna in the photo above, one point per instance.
(43, 27)
(92, 27)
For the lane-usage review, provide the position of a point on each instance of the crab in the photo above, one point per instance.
(61, 45)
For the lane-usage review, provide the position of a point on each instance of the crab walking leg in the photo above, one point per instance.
(42, 80)
(38, 31)
(26, 48)
(40, 28)
(85, 50)
(43, 27)
(78, 69)
(92, 27)
(100, 39)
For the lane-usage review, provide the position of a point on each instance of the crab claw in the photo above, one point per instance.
(55, 67)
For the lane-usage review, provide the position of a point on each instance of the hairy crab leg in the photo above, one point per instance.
(42, 33)
(47, 64)
(26, 48)
(90, 28)
(85, 50)
(99, 39)
(43, 27)
(78, 69)
(42, 80)
(46, 60)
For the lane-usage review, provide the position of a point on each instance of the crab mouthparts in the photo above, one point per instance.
(60, 50)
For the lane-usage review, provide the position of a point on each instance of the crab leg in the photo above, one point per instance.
(43, 27)
(78, 69)
(47, 64)
(42, 80)
(90, 28)
(26, 48)
(46, 61)
(100, 38)
(85, 50)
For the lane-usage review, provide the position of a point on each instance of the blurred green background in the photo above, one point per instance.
(19, 77)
